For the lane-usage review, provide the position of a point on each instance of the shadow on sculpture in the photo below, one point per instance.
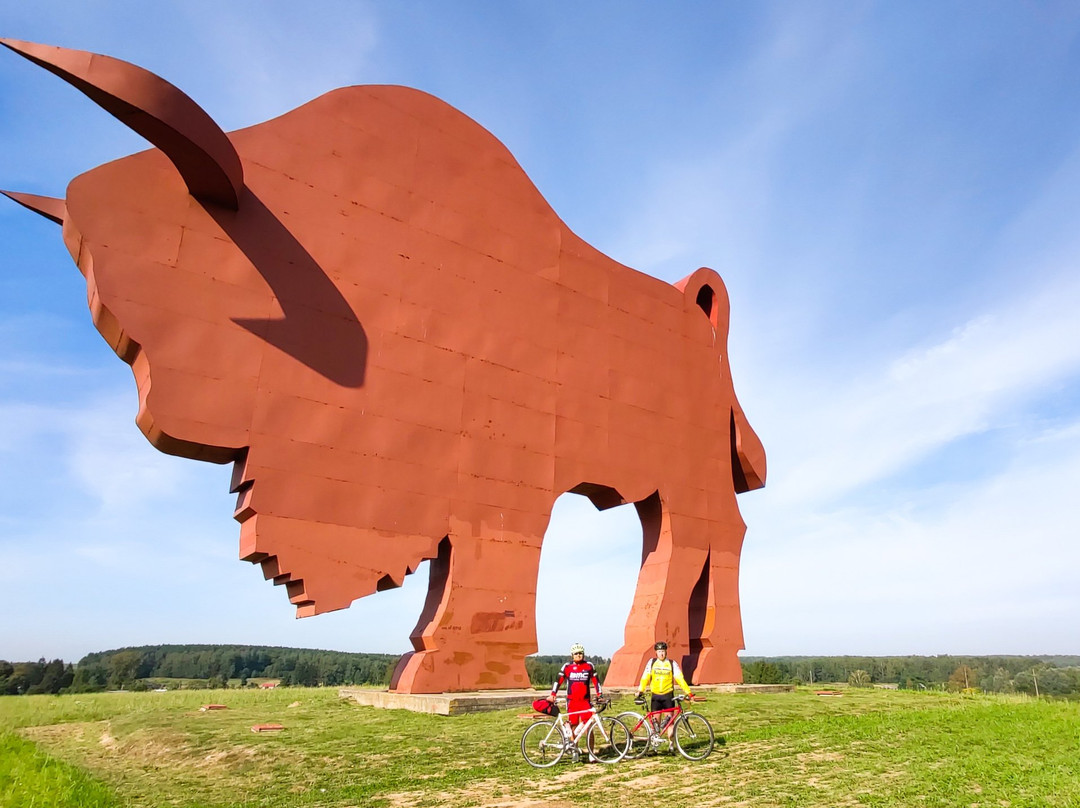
(369, 309)
(309, 301)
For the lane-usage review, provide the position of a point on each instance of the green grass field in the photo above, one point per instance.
(868, 747)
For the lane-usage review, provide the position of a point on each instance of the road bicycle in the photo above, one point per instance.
(691, 734)
(545, 742)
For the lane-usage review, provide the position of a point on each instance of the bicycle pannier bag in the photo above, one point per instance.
(546, 707)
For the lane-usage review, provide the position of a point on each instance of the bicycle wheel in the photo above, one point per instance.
(542, 744)
(640, 734)
(608, 740)
(693, 736)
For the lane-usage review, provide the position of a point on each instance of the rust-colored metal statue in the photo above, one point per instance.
(369, 309)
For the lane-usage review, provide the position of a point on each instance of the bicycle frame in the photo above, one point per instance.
(658, 727)
(661, 726)
(670, 714)
(561, 738)
(562, 724)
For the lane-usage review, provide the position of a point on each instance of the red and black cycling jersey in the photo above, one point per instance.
(578, 676)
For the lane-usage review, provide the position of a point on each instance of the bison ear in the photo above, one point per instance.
(51, 208)
(151, 106)
(705, 290)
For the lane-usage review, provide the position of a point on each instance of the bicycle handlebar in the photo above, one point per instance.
(598, 707)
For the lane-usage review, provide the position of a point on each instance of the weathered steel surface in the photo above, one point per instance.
(368, 307)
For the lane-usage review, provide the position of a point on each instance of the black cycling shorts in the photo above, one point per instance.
(663, 702)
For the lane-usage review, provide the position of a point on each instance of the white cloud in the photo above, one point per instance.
(718, 202)
(842, 436)
(112, 462)
(988, 568)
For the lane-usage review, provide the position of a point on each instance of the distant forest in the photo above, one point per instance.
(210, 666)
(216, 666)
(1044, 675)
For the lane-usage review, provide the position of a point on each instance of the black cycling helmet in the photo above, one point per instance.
(660, 646)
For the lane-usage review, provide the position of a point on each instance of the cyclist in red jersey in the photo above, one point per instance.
(578, 674)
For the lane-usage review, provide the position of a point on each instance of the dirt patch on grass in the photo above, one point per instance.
(652, 781)
(469, 796)
(228, 757)
(547, 789)
(819, 757)
(143, 749)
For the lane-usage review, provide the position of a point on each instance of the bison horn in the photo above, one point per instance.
(157, 110)
(51, 208)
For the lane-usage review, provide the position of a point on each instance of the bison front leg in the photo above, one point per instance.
(716, 635)
(670, 563)
(479, 619)
(687, 595)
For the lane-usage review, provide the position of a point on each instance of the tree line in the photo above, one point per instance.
(146, 667)
(1045, 676)
(30, 678)
(544, 670)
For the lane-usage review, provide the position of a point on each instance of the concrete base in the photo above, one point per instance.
(443, 703)
(488, 700)
(745, 689)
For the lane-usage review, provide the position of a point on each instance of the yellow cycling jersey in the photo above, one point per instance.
(663, 675)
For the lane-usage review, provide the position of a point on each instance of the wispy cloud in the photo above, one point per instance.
(718, 200)
(843, 436)
(989, 567)
(281, 57)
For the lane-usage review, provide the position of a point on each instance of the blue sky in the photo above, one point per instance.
(891, 192)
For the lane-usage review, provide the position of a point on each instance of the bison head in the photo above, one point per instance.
(234, 273)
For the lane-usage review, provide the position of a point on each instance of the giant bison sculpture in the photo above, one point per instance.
(368, 308)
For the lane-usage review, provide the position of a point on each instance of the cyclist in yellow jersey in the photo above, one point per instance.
(661, 675)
